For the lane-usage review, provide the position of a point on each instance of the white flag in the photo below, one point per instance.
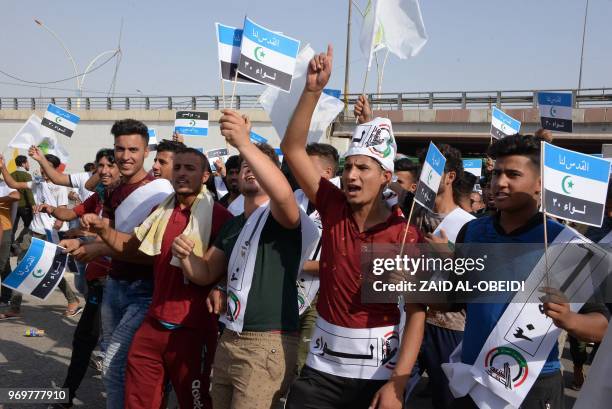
(394, 24)
(33, 133)
(280, 105)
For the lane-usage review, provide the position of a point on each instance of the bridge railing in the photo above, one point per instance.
(592, 97)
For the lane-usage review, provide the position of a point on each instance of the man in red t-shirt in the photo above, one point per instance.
(178, 338)
(342, 370)
(87, 332)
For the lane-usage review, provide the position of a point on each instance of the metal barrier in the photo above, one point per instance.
(592, 97)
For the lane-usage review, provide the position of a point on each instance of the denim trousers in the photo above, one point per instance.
(124, 307)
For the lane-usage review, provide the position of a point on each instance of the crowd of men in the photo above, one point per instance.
(209, 292)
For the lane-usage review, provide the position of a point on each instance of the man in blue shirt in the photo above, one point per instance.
(516, 186)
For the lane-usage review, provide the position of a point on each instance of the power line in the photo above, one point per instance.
(62, 80)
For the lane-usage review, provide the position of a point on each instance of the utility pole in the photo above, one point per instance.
(348, 51)
(586, 12)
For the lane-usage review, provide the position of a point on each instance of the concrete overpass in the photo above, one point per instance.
(460, 118)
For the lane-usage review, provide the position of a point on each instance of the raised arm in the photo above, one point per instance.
(92, 182)
(10, 182)
(56, 177)
(236, 129)
(296, 135)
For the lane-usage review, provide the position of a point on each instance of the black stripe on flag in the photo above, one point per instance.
(425, 196)
(56, 127)
(264, 74)
(579, 210)
(53, 275)
(557, 124)
(497, 133)
(228, 71)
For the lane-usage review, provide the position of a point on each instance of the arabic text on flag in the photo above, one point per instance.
(60, 120)
(39, 271)
(191, 123)
(574, 185)
(228, 43)
(555, 111)
(429, 182)
(503, 125)
(267, 57)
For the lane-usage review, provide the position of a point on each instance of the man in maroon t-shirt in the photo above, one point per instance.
(87, 332)
(129, 286)
(342, 370)
(178, 338)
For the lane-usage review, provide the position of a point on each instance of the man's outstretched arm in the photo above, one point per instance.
(283, 206)
(296, 135)
(56, 177)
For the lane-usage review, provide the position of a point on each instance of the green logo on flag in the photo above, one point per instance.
(567, 185)
(38, 273)
(259, 53)
(429, 176)
(58, 120)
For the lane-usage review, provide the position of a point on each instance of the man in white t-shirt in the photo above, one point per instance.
(75, 180)
(44, 192)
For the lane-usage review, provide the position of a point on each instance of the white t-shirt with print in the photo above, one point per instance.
(47, 193)
(78, 180)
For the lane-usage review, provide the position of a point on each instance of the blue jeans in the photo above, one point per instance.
(124, 307)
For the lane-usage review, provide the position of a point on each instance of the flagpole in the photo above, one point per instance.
(543, 204)
(586, 12)
(223, 93)
(347, 62)
(234, 89)
(381, 75)
(406, 229)
(365, 81)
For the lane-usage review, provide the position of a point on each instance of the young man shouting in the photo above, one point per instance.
(353, 217)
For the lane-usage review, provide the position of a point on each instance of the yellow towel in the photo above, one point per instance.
(151, 231)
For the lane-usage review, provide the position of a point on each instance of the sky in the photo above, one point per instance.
(169, 48)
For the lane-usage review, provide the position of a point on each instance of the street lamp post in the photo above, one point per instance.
(59, 40)
(80, 78)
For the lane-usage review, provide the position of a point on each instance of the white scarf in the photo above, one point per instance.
(241, 266)
(138, 205)
(308, 284)
(507, 366)
(597, 389)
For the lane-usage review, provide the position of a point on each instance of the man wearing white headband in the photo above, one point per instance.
(342, 371)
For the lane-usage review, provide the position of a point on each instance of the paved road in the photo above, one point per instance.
(42, 362)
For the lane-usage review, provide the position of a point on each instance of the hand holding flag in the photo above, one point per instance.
(319, 70)
(362, 110)
(235, 128)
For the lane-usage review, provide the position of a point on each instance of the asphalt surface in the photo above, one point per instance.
(43, 361)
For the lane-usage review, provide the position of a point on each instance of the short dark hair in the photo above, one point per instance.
(406, 165)
(204, 161)
(53, 160)
(454, 163)
(109, 154)
(129, 127)
(88, 167)
(20, 160)
(170, 146)
(268, 151)
(325, 151)
(521, 145)
(233, 162)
